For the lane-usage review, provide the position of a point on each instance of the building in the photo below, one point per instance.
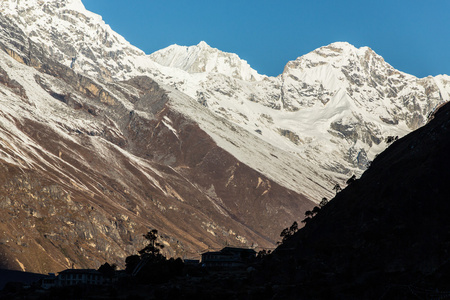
(191, 262)
(80, 277)
(48, 281)
(228, 257)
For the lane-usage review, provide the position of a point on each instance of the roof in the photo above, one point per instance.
(217, 253)
(228, 250)
(235, 249)
(18, 276)
(80, 271)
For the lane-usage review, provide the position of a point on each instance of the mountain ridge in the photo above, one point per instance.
(89, 165)
(221, 95)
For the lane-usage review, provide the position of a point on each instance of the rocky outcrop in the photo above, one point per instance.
(12, 84)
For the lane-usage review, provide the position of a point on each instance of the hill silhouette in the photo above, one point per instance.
(387, 235)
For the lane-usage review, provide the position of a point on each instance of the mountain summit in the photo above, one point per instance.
(202, 58)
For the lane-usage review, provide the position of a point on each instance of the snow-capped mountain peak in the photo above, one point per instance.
(351, 92)
(202, 58)
(339, 55)
(203, 45)
(18, 6)
(75, 36)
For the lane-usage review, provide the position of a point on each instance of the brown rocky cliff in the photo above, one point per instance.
(84, 180)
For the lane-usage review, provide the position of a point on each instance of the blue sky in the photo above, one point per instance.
(412, 35)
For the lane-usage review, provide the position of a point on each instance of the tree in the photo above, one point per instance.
(294, 227)
(323, 202)
(391, 139)
(337, 188)
(150, 253)
(306, 220)
(108, 270)
(315, 210)
(285, 233)
(288, 232)
(131, 262)
(351, 180)
(153, 249)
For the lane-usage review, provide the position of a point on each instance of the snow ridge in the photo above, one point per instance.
(203, 58)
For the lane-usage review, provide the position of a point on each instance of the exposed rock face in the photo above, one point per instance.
(336, 97)
(89, 166)
(336, 84)
(12, 84)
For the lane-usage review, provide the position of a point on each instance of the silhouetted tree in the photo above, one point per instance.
(337, 188)
(391, 139)
(108, 270)
(150, 266)
(306, 220)
(131, 262)
(315, 210)
(323, 202)
(288, 232)
(151, 252)
(153, 249)
(351, 180)
(294, 227)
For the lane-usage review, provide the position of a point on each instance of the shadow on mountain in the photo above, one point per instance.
(385, 236)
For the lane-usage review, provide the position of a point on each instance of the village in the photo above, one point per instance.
(227, 261)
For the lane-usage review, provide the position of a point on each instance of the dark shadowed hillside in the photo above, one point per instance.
(385, 236)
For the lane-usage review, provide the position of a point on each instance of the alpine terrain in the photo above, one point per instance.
(100, 142)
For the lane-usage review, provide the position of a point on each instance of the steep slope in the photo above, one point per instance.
(333, 106)
(81, 41)
(386, 235)
(89, 166)
(73, 36)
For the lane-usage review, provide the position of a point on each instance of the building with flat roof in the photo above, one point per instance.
(80, 277)
(228, 257)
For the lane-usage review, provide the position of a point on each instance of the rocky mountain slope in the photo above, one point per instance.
(332, 108)
(100, 141)
(88, 166)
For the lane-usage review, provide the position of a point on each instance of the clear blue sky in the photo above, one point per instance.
(412, 35)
